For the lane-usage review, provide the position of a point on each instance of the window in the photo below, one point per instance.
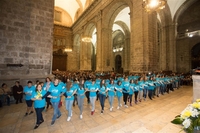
(57, 16)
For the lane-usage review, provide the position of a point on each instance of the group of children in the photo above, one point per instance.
(77, 89)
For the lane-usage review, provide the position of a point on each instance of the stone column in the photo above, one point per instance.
(163, 50)
(152, 24)
(99, 58)
(139, 47)
(85, 56)
(143, 39)
(126, 54)
(169, 48)
(172, 48)
(107, 54)
(196, 87)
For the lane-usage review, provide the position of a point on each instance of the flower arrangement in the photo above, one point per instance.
(189, 117)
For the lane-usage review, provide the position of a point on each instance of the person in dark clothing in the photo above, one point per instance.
(18, 92)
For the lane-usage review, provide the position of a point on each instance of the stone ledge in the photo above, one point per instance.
(22, 77)
(10, 80)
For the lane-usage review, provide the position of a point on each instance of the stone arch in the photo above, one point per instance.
(126, 47)
(185, 18)
(189, 19)
(124, 27)
(113, 12)
(109, 15)
(78, 13)
(89, 28)
(87, 54)
(165, 16)
(87, 3)
(182, 9)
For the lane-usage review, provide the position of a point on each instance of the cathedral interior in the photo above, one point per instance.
(40, 37)
(123, 36)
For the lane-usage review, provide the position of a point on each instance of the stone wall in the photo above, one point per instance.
(26, 30)
(187, 22)
(184, 47)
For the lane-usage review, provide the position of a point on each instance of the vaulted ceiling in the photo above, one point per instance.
(72, 6)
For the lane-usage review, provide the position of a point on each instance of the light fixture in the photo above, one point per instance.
(190, 35)
(154, 5)
(67, 49)
(117, 49)
(87, 39)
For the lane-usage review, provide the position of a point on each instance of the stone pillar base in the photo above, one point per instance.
(196, 87)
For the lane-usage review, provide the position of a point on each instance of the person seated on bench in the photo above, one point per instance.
(7, 93)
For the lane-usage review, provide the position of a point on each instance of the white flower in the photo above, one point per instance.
(195, 113)
(186, 123)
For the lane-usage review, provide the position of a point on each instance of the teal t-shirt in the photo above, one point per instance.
(55, 92)
(102, 90)
(70, 93)
(80, 92)
(132, 86)
(119, 90)
(126, 85)
(111, 89)
(39, 103)
(30, 91)
(92, 88)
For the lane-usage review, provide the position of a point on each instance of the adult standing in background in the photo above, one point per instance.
(28, 91)
(18, 92)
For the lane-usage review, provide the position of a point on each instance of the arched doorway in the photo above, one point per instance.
(195, 56)
(118, 64)
(121, 38)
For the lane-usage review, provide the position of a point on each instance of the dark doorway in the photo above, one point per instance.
(118, 64)
(59, 61)
(195, 53)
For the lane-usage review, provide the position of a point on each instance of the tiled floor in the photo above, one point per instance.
(146, 117)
